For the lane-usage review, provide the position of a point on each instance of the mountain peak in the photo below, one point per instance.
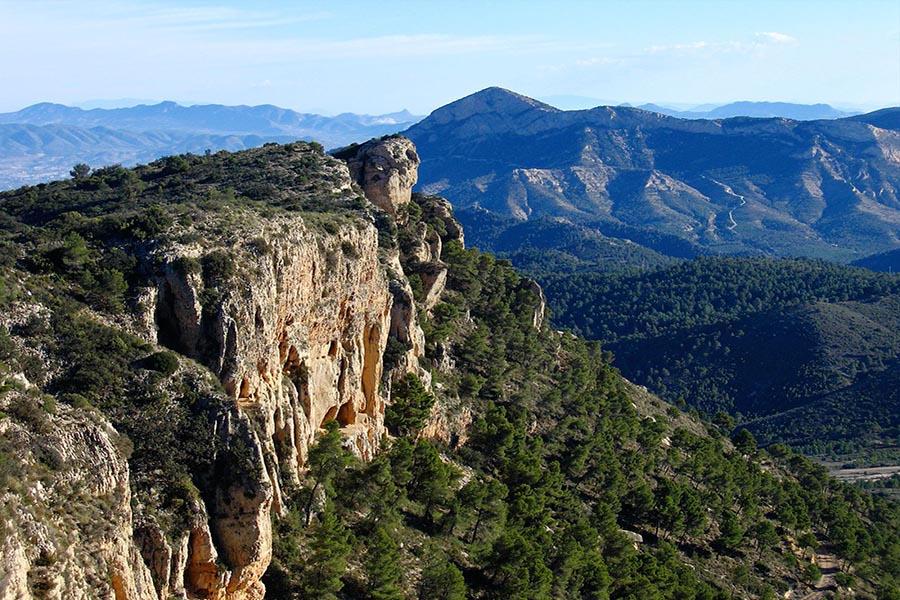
(492, 100)
(505, 96)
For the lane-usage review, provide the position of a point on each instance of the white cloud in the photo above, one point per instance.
(777, 38)
(760, 41)
(688, 47)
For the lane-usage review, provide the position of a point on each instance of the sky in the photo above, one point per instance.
(385, 56)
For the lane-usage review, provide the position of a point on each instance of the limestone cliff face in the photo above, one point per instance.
(291, 312)
(296, 337)
(296, 333)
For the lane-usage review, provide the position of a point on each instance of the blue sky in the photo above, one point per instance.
(377, 57)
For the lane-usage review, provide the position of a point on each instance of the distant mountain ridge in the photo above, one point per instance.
(37, 153)
(211, 118)
(43, 141)
(746, 186)
(766, 110)
(743, 108)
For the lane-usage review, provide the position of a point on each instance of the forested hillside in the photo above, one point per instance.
(754, 338)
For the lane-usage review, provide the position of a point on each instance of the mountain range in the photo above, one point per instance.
(753, 186)
(43, 141)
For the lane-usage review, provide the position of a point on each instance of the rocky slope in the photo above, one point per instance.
(291, 311)
(771, 186)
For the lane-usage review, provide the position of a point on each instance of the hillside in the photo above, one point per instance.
(755, 338)
(273, 373)
(735, 186)
(883, 261)
(42, 142)
(557, 245)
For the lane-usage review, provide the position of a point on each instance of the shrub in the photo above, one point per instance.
(76, 400)
(812, 573)
(393, 352)
(218, 267)
(260, 246)
(108, 291)
(165, 361)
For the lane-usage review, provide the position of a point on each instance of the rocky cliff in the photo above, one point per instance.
(290, 309)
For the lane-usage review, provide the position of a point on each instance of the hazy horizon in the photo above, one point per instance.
(327, 58)
(563, 102)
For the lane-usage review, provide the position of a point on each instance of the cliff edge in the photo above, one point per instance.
(267, 269)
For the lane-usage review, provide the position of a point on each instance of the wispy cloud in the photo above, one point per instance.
(659, 56)
(220, 19)
(139, 18)
(688, 47)
(422, 44)
(777, 38)
(760, 41)
(412, 46)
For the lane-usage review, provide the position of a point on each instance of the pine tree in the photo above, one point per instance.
(431, 478)
(486, 501)
(410, 406)
(383, 566)
(765, 535)
(441, 580)
(730, 530)
(326, 460)
(330, 545)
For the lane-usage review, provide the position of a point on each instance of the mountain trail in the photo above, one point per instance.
(727, 189)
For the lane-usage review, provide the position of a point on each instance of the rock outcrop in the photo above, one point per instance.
(296, 339)
(386, 169)
(295, 334)
(291, 312)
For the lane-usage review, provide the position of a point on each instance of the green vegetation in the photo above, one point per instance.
(705, 291)
(799, 351)
(545, 245)
(411, 406)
